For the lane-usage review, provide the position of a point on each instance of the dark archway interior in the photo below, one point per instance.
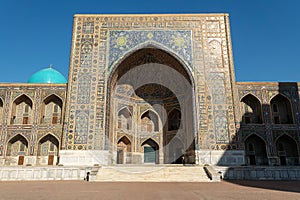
(281, 110)
(287, 150)
(252, 110)
(163, 99)
(256, 153)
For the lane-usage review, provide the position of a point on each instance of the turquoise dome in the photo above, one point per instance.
(48, 75)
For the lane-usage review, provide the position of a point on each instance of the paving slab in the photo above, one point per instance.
(246, 190)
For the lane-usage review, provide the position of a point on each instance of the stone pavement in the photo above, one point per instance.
(242, 190)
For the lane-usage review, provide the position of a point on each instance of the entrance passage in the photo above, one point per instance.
(150, 100)
(149, 155)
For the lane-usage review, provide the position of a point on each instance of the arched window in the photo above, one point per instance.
(281, 110)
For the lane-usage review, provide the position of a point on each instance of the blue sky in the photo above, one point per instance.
(265, 33)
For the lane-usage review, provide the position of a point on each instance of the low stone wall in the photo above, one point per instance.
(262, 173)
(226, 157)
(43, 173)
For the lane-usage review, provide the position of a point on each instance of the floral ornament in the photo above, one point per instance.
(150, 35)
(122, 42)
(178, 42)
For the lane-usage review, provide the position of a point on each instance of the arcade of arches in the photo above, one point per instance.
(23, 116)
(146, 89)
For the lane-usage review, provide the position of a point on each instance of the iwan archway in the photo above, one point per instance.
(157, 91)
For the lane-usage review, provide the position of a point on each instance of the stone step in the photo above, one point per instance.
(155, 173)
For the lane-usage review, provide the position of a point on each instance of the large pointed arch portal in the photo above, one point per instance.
(156, 80)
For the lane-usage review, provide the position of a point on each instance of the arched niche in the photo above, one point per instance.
(174, 119)
(287, 150)
(17, 149)
(149, 122)
(51, 111)
(123, 151)
(151, 151)
(255, 150)
(251, 110)
(155, 76)
(281, 110)
(124, 119)
(21, 110)
(48, 148)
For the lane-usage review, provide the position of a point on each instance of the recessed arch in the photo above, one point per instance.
(123, 150)
(149, 120)
(126, 108)
(23, 97)
(154, 45)
(50, 135)
(19, 135)
(125, 140)
(54, 97)
(51, 110)
(255, 150)
(48, 149)
(287, 150)
(252, 109)
(254, 95)
(21, 112)
(124, 119)
(151, 151)
(174, 119)
(17, 147)
(154, 61)
(281, 110)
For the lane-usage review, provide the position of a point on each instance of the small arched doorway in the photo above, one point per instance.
(256, 153)
(151, 151)
(287, 150)
(123, 151)
(48, 147)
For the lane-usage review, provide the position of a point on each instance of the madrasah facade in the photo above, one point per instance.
(144, 89)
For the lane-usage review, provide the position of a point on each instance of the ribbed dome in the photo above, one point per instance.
(48, 75)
